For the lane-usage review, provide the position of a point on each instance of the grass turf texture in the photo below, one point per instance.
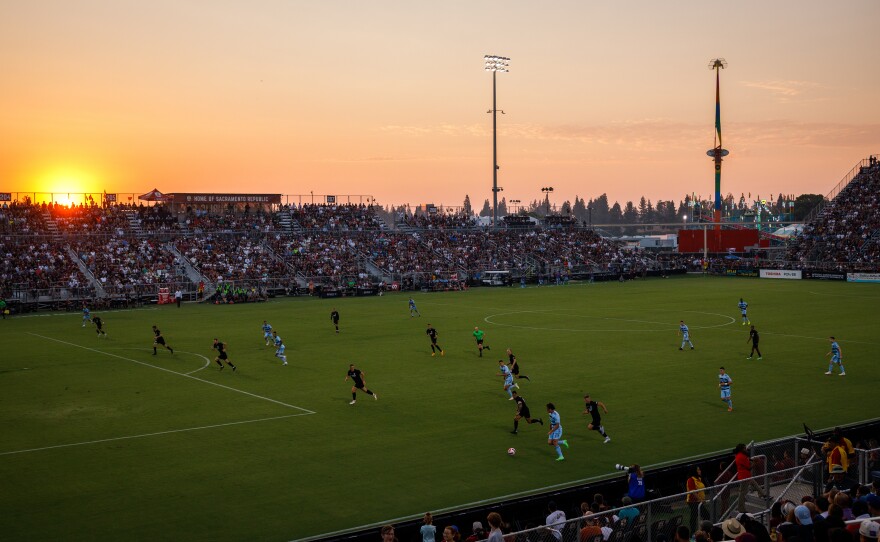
(438, 435)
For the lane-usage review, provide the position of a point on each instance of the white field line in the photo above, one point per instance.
(78, 314)
(205, 366)
(149, 434)
(184, 375)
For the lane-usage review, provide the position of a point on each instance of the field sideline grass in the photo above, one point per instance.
(104, 441)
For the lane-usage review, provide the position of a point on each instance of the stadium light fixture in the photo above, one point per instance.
(495, 64)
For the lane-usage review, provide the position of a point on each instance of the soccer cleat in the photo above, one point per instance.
(730, 409)
(353, 401)
(744, 323)
(540, 421)
(750, 357)
(433, 354)
(221, 367)
(285, 363)
(607, 440)
(233, 368)
(442, 353)
(560, 458)
(510, 398)
(842, 374)
(828, 372)
(376, 397)
(825, 373)
(564, 443)
(760, 358)
(681, 348)
(514, 432)
(172, 350)
(692, 347)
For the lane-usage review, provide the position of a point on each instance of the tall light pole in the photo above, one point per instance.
(717, 152)
(495, 64)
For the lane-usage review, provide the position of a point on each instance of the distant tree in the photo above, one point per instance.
(616, 214)
(487, 209)
(579, 209)
(467, 206)
(805, 203)
(502, 207)
(643, 209)
(566, 208)
(600, 209)
(630, 214)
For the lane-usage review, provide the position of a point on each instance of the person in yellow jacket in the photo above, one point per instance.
(696, 497)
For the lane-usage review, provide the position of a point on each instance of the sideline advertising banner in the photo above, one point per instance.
(780, 274)
(824, 275)
(863, 277)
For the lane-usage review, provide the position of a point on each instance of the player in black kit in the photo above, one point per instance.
(334, 317)
(432, 333)
(753, 336)
(514, 366)
(357, 378)
(522, 411)
(222, 355)
(596, 424)
(159, 339)
(99, 326)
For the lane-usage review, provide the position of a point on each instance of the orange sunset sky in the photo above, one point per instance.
(389, 98)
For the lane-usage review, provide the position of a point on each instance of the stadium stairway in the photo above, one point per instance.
(99, 288)
(134, 223)
(193, 274)
(51, 225)
(285, 220)
(377, 271)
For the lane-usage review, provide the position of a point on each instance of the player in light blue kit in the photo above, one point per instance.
(836, 357)
(267, 333)
(743, 306)
(685, 335)
(555, 435)
(508, 379)
(724, 382)
(413, 311)
(279, 347)
(87, 316)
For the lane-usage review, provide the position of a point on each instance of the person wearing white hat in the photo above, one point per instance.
(869, 531)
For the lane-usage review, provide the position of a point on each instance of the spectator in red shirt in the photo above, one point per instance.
(744, 476)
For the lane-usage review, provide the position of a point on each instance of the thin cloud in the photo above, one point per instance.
(786, 91)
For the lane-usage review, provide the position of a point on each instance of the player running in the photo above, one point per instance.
(99, 326)
(836, 357)
(413, 311)
(222, 355)
(87, 317)
(159, 339)
(742, 309)
(685, 335)
(753, 336)
(592, 407)
(432, 333)
(554, 436)
(478, 335)
(267, 333)
(522, 412)
(357, 378)
(514, 366)
(724, 382)
(334, 317)
(508, 379)
(279, 347)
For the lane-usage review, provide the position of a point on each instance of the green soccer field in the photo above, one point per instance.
(101, 440)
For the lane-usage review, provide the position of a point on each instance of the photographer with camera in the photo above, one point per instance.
(636, 480)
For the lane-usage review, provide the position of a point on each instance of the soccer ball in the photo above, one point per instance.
(511, 451)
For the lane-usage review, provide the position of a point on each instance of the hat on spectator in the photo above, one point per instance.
(869, 529)
(732, 528)
(873, 502)
(477, 526)
(805, 451)
(802, 513)
(787, 508)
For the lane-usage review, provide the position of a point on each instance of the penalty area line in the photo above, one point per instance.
(184, 375)
(150, 434)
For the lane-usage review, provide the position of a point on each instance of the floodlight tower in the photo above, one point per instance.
(495, 64)
(717, 152)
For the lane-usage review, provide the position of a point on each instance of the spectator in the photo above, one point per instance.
(590, 529)
(696, 497)
(754, 527)
(869, 531)
(451, 534)
(478, 533)
(555, 520)
(682, 534)
(388, 534)
(428, 531)
(494, 520)
(628, 511)
(744, 477)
